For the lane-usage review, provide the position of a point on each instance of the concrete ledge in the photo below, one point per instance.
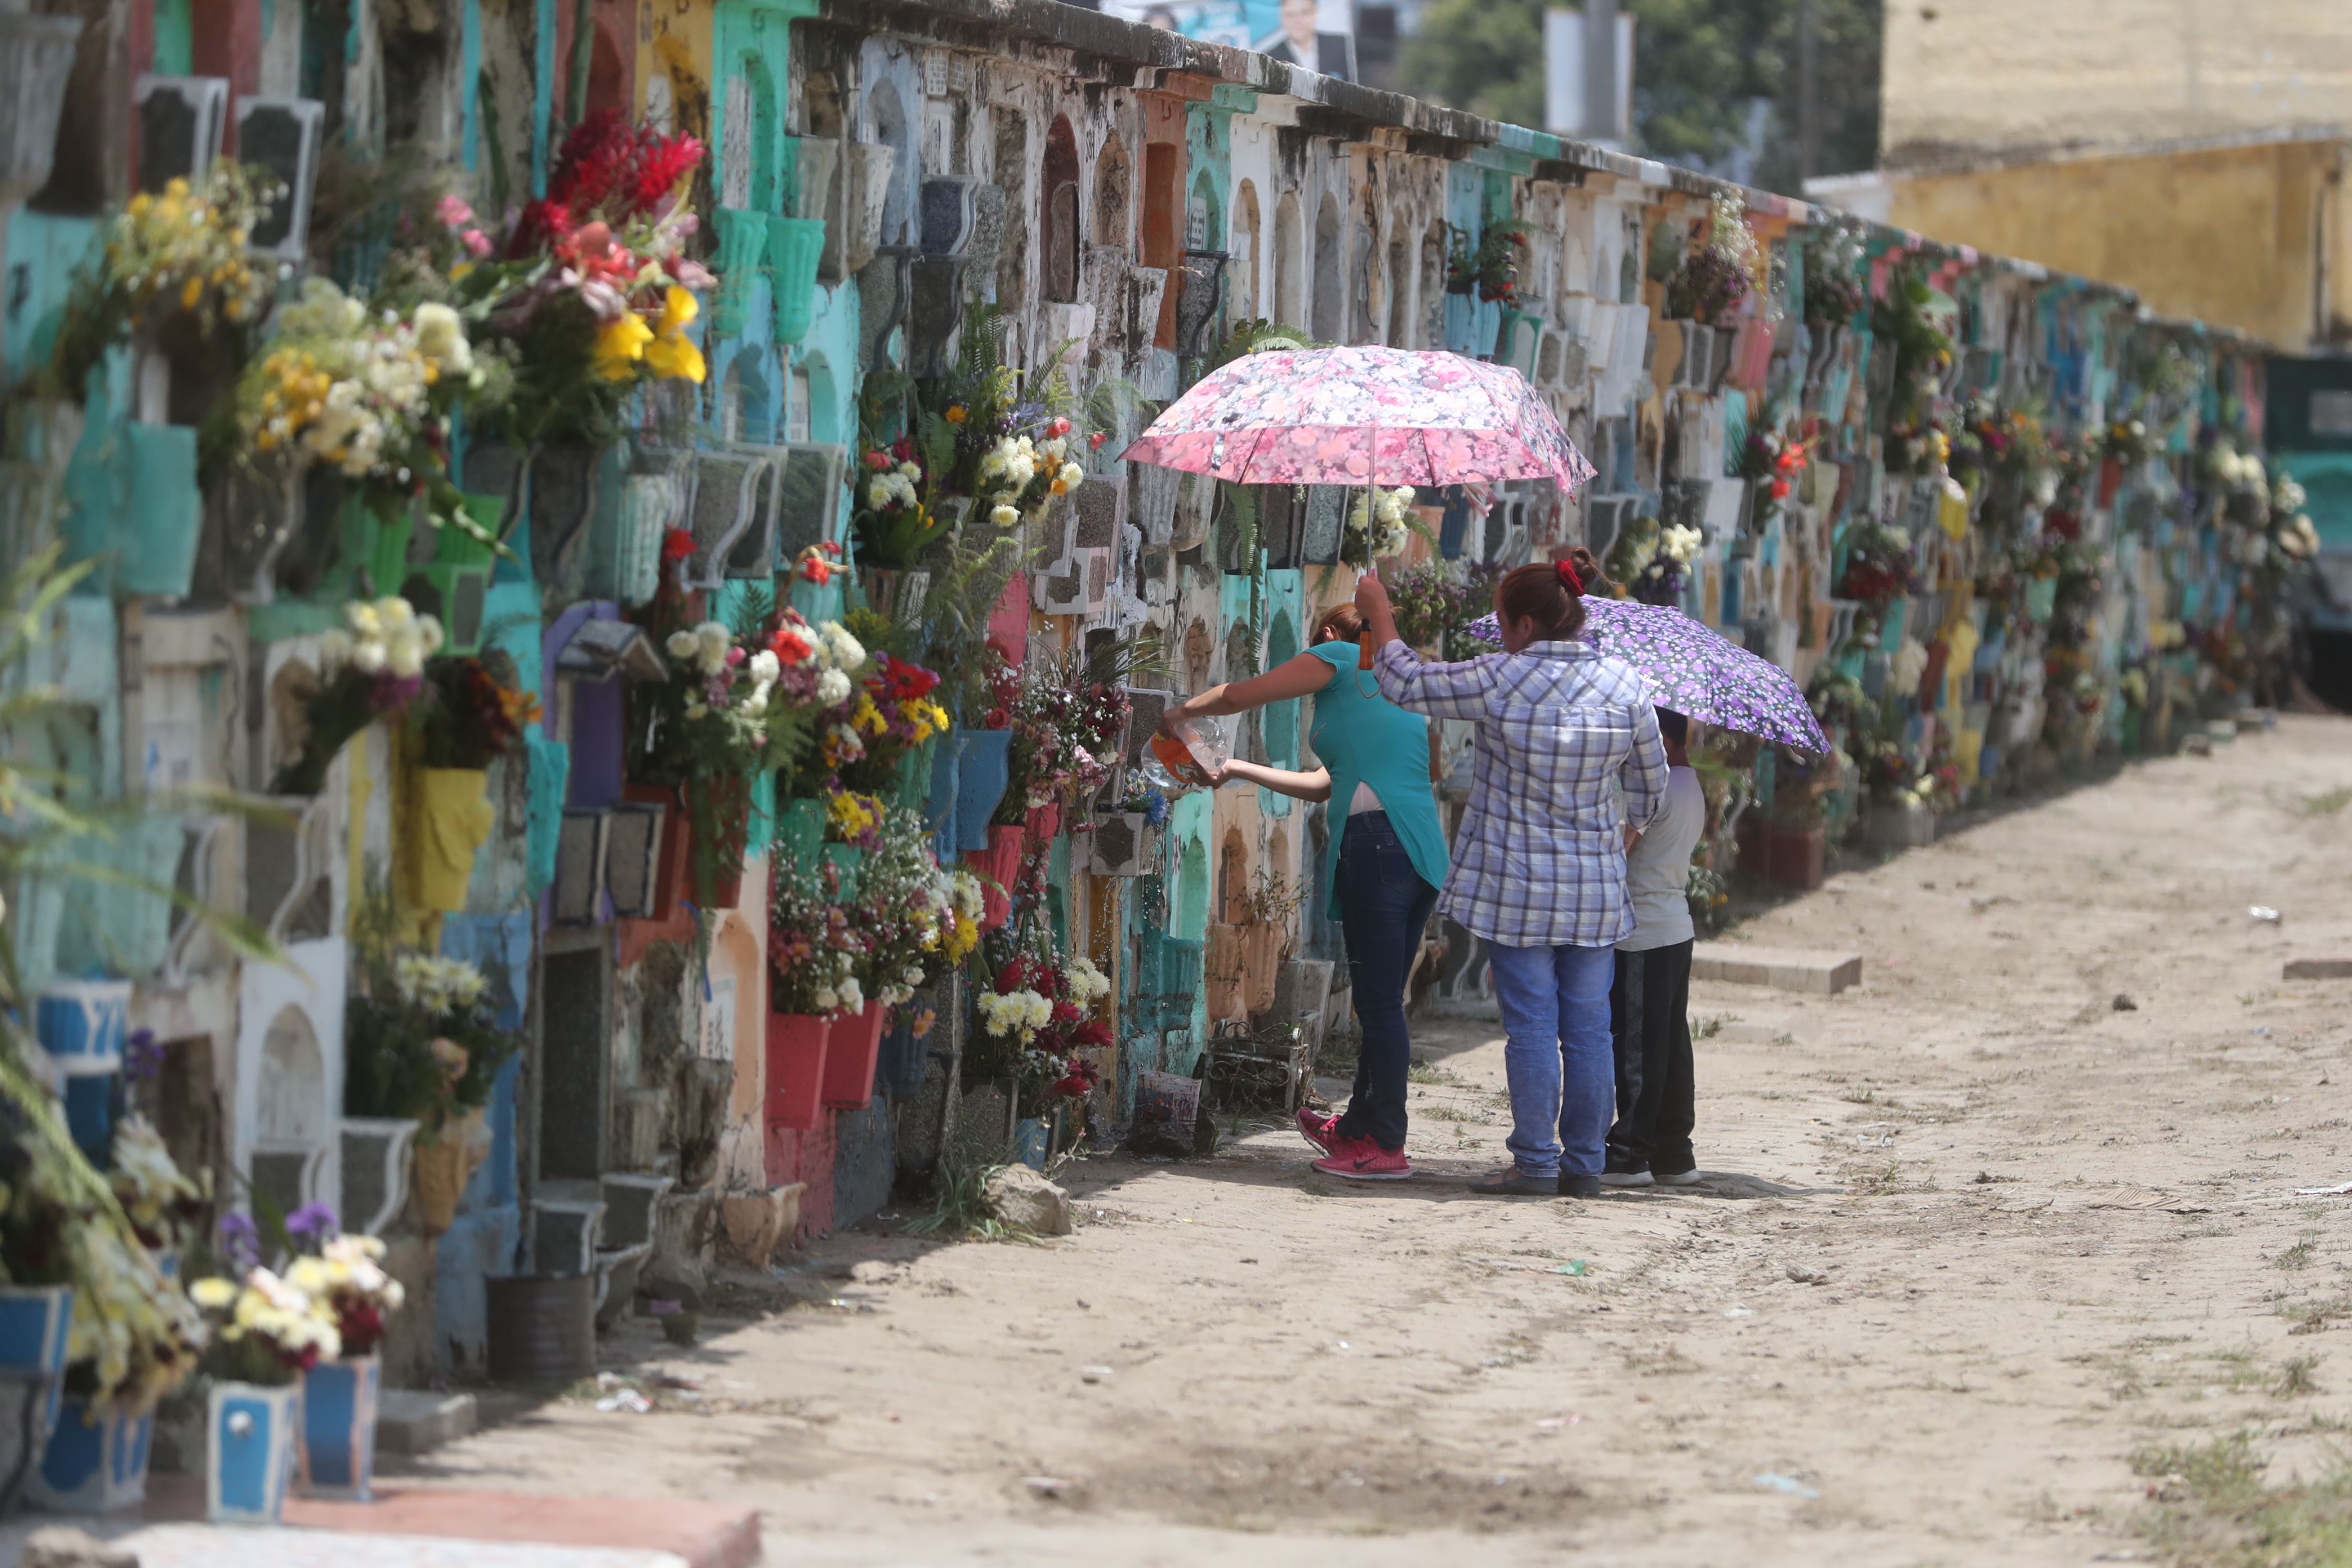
(415, 1421)
(1783, 969)
(2319, 969)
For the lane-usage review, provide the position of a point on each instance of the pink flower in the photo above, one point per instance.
(453, 212)
(736, 656)
(476, 242)
(694, 275)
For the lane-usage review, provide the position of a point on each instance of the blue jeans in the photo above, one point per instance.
(1558, 1055)
(1384, 907)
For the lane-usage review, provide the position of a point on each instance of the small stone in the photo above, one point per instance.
(2123, 1004)
(2319, 969)
(1094, 1373)
(1019, 1196)
(62, 1546)
(1804, 1274)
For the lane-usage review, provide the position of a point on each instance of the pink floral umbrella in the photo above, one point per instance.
(1362, 416)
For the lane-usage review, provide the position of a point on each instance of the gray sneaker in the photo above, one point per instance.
(1640, 1178)
(1690, 1178)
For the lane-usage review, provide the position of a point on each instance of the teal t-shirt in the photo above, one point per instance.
(1363, 738)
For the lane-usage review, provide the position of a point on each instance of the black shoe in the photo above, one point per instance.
(1578, 1186)
(1512, 1184)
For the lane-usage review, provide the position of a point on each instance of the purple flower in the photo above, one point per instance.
(142, 1057)
(313, 1221)
(240, 1240)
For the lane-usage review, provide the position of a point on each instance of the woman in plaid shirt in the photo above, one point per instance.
(1539, 863)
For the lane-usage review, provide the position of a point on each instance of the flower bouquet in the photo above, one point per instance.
(180, 252)
(424, 1043)
(1719, 269)
(1378, 526)
(375, 667)
(1034, 1022)
(265, 1331)
(915, 920)
(1067, 731)
(345, 1279)
(369, 390)
(867, 738)
(590, 296)
(816, 950)
(471, 711)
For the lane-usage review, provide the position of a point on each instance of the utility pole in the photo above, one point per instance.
(1809, 129)
(1602, 114)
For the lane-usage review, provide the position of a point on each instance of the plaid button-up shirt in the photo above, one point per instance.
(1541, 857)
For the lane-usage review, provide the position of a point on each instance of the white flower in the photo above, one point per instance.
(362, 618)
(683, 645)
(428, 632)
(441, 337)
(368, 656)
(764, 666)
(827, 999)
(1071, 475)
(405, 657)
(1003, 516)
(832, 689)
(847, 652)
(852, 995)
(877, 495)
(911, 469)
(335, 646)
(396, 613)
(1680, 541)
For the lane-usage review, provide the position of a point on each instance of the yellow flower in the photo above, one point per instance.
(678, 310)
(212, 1294)
(670, 355)
(190, 292)
(620, 345)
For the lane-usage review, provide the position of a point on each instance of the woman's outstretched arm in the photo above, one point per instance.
(1300, 677)
(1316, 785)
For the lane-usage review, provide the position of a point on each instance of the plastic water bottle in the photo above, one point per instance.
(1173, 767)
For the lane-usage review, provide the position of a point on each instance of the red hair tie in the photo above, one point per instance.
(1570, 578)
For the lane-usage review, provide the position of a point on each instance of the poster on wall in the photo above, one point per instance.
(1318, 34)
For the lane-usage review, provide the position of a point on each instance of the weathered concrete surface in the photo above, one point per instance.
(1397, 1372)
(1783, 969)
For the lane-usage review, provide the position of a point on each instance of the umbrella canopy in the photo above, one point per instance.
(1361, 417)
(1695, 671)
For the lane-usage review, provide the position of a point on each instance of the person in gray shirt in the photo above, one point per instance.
(1649, 1005)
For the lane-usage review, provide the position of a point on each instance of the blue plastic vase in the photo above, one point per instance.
(95, 1460)
(983, 770)
(339, 1409)
(250, 1457)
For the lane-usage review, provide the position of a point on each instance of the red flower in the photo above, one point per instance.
(677, 544)
(789, 645)
(1056, 426)
(1098, 438)
(877, 460)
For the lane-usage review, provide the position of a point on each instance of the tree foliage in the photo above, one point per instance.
(1698, 68)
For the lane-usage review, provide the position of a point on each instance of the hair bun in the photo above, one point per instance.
(1570, 578)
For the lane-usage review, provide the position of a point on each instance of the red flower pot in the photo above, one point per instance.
(996, 867)
(850, 1050)
(1044, 821)
(796, 1054)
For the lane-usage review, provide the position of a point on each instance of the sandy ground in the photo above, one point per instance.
(2041, 1233)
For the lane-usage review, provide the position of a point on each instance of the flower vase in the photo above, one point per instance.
(35, 1322)
(452, 821)
(339, 1410)
(853, 1044)
(249, 1457)
(983, 771)
(1044, 822)
(1031, 1139)
(997, 866)
(439, 1171)
(95, 1460)
(794, 245)
(796, 1053)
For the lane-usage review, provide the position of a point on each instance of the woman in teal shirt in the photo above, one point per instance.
(1382, 870)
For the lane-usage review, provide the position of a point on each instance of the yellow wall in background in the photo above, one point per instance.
(2247, 237)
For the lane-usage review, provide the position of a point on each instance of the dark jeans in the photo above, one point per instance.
(1384, 907)
(1649, 1019)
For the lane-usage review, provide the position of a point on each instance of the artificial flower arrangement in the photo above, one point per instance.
(1435, 601)
(1379, 525)
(1035, 1023)
(1066, 731)
(1878, 566)
(472, 711)
(422, 1041)
(1662, 579)
(1492, 272)
(1833, 292)
(967, 436)
(372, 666)
(1995, 449)
(368, 390)
(739, 700)
(266, 1330)
(816, 952)
(908, 911)
(1719, 268)
(592, 291)
(1148, 799)
(892, 712)
(182, 250)
(1772, 463)
(1915, 440)
(345, 1280)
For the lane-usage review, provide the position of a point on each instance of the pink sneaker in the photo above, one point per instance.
(1362, 1160)
(1320, 1130)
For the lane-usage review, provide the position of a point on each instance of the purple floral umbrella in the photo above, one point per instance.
(1364, 415)
(1695, 671)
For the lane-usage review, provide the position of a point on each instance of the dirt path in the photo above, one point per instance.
(1232, 1355)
